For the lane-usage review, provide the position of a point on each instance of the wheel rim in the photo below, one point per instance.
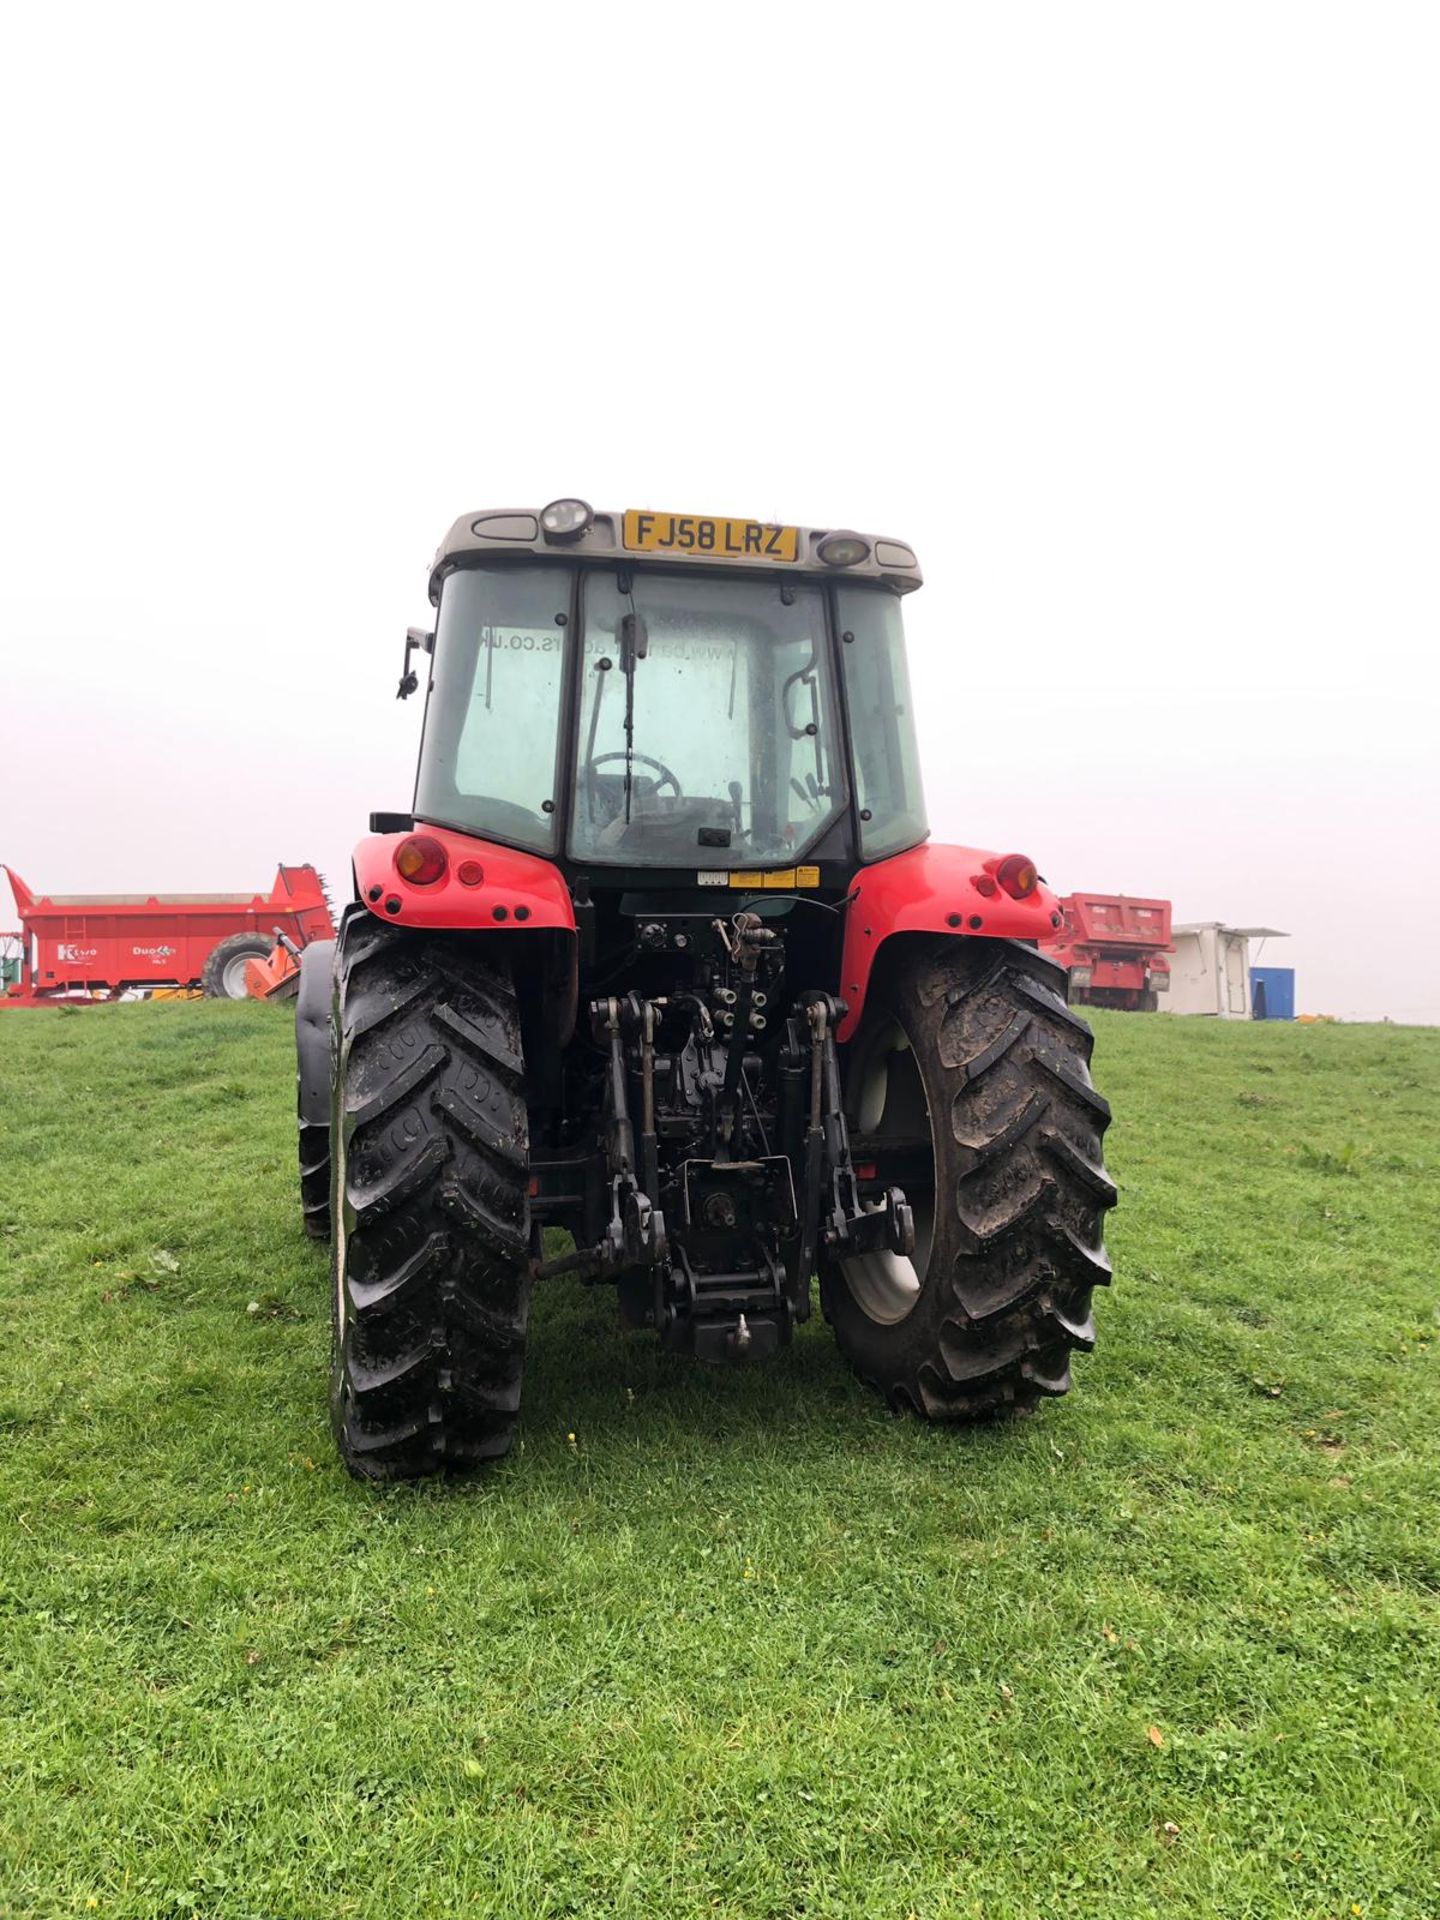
(232, 976)
(891, 1125)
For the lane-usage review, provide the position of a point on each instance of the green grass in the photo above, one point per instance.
(731, 1643)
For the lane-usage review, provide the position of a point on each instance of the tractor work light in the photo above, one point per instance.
(566, 519)
(842, 550)
(421, 860)
(1017, 876)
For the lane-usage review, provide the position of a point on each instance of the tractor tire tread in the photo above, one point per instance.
(431, 1275)
(315, 1179)
(1021, 1188)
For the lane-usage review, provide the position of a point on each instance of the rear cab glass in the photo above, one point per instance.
(888, 792)
(492, 720)
(719, 746)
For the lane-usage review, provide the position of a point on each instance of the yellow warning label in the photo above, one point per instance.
(782, 880)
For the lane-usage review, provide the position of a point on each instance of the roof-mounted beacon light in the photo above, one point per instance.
(566, 519)
(842, 549)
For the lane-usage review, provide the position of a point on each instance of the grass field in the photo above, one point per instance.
(731, 1643)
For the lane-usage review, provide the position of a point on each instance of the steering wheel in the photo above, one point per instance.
(667, 778)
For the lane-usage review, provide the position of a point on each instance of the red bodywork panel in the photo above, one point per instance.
(930, 889)
(104, 943)
(1119, 938)
(519, 890)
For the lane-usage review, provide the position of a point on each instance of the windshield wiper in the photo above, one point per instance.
(634, 645)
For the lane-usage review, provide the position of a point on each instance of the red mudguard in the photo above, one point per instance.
(930, 889)
(515, 889)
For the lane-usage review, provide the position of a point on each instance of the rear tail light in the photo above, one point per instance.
(984, 884)
(1016, 874)
(421, 860)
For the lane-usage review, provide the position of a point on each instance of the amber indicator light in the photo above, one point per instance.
(421, 860)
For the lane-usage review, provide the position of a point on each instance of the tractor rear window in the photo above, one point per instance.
(882, 722)
(493, 716)
(708, 734)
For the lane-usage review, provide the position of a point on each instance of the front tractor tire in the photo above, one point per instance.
(314, 1076)
(969, 1086)
(431, 1278)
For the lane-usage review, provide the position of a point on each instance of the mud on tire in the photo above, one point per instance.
(978, 1037)
(431, 1284)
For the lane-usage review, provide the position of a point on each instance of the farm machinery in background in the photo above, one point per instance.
(89, 946)
(1115, 949)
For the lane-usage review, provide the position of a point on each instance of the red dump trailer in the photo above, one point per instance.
(1115, 948)
(92, 946)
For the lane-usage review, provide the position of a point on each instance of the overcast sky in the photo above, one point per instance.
(1127, 317)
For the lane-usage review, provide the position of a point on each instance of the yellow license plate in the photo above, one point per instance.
(724, 539)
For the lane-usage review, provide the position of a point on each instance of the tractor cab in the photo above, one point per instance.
(694, 698)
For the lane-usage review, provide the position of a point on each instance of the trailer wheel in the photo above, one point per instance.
(431, 1278)
(223, 975)
(969, 1086)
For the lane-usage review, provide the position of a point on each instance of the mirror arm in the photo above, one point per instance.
(409, 679)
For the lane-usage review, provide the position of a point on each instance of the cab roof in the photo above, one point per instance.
(735, 547)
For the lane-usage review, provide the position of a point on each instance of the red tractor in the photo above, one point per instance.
(663, 958)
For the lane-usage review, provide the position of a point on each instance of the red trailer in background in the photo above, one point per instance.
(91, 946)
(1115, 948)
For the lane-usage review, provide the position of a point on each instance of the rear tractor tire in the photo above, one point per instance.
(223, 975)
(431, 1278)
(969, 1086)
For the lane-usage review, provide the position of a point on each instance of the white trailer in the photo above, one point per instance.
(1210, 971)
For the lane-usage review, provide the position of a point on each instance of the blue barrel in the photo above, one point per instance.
(1272, 993)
